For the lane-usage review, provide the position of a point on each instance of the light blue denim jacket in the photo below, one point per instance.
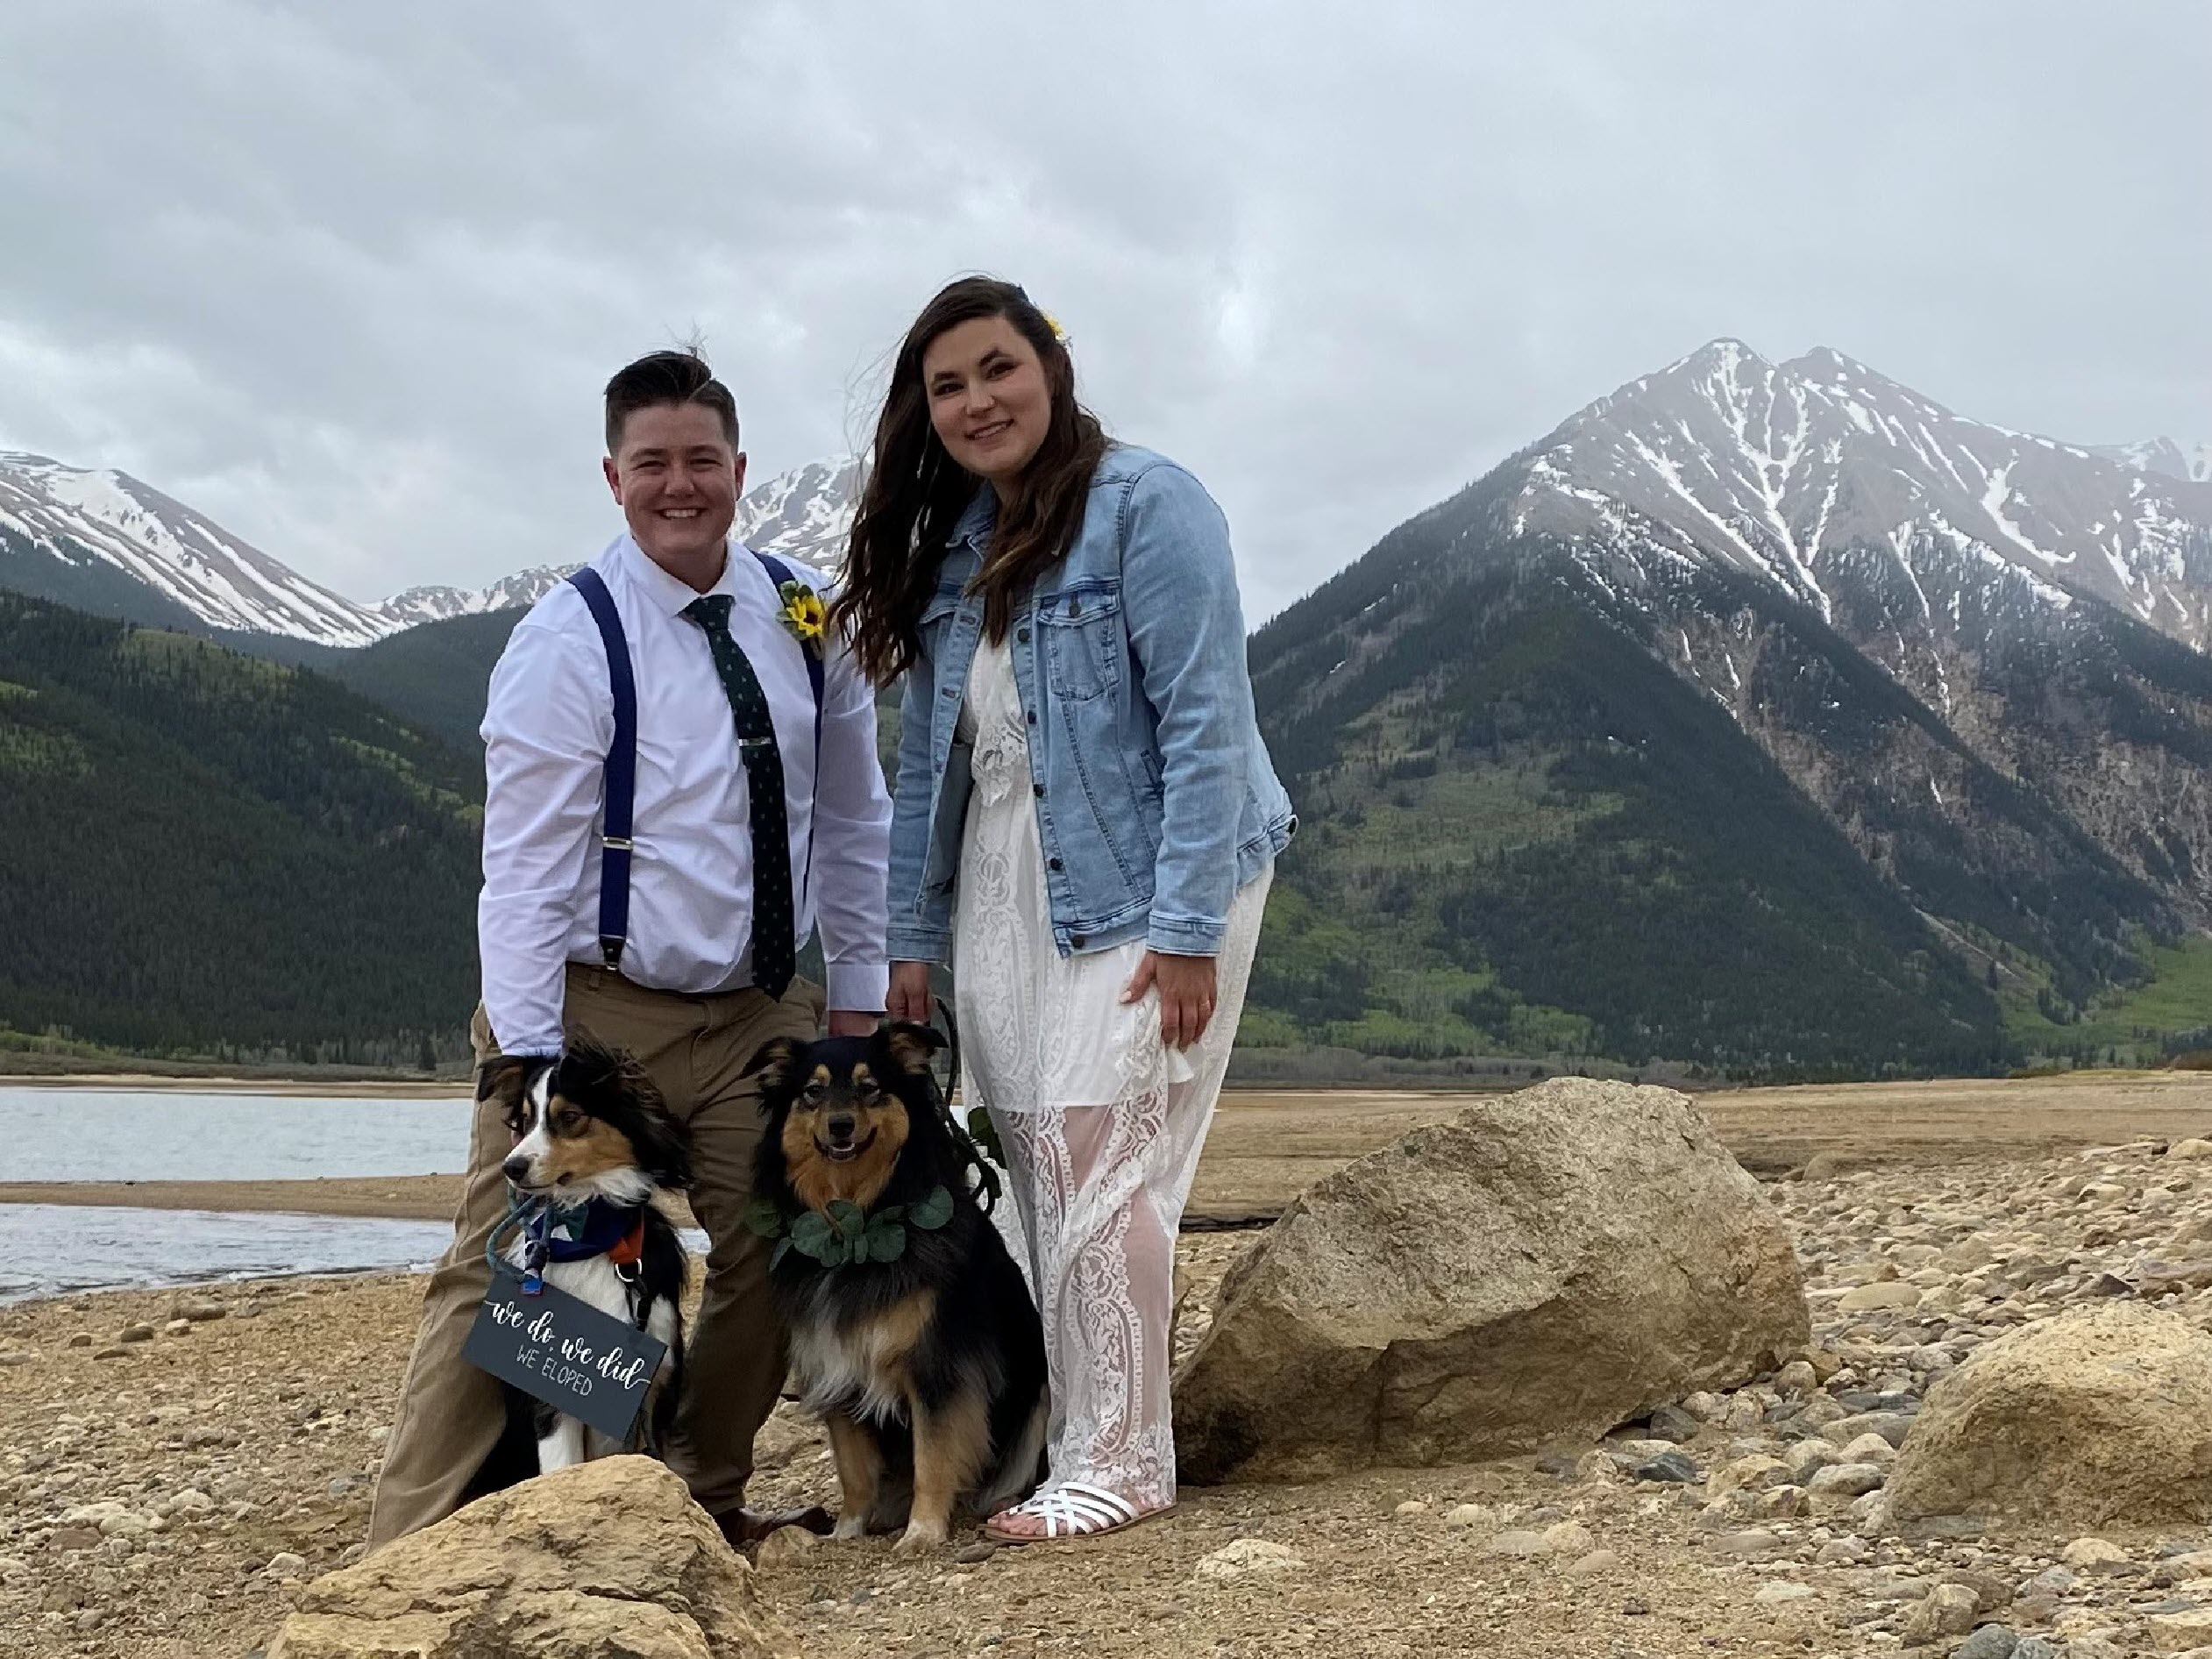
(1155, 799)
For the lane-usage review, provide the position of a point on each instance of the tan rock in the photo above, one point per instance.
(1546, 1265)
(2180, 1631)
(1947, 1610)
(608, 1557)
(784, 1548)
(1882, 1294)
(2192, 1148)
(1239, 1558)
(2098, 1414)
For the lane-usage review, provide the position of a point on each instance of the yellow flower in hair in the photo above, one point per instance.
(1053, 323)
(804, 616)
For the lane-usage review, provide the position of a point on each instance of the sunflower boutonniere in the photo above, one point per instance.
(804, 616)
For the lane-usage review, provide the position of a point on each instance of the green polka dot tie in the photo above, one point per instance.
(774, 950)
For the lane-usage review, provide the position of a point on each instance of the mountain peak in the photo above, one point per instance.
(1779, 471)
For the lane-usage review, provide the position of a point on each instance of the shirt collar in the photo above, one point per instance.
(664, 590)
(973, 526)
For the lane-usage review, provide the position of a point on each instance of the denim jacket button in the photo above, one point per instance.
(1032, 717)
(1052, 864)
(1023, 636)
(1037, 789)
(1078, 940)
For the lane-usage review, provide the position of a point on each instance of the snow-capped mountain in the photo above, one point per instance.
(101, 526)
(804, 514)
(1768, 714)
(437, 604)
(107, 542)
(1792, 472)
(2190, 461)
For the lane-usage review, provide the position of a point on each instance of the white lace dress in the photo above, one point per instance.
(1100, 1123)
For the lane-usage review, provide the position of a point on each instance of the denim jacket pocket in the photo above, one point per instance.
(1080, 636)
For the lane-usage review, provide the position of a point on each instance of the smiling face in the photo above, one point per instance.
(990, 399)
(678, 479)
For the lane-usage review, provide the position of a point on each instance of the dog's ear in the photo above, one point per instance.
(662, 1145)
(911, 1045)
(777, 1060)
(503, 1076)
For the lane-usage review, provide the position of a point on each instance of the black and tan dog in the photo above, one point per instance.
(912, 1331)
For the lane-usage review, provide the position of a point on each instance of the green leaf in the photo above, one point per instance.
(811, 1232)
(776, 1256)
(986, 1136)
(845, 1216)
(764, 1220)
(934, 1211)
(886, 1243)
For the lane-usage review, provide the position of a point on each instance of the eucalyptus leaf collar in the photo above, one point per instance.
(843, 1234)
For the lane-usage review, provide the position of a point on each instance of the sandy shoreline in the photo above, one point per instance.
(1268, 1146)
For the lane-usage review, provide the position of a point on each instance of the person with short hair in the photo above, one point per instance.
(1085, 824)
(758, 810)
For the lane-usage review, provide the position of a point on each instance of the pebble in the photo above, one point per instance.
(1470, 1515)
(1749, 1546)
(1519, 1543)
(1782, 1592)
(1991, 1641)
(1598, 1560)
(135, 1333)
(177, 1328)
(2095, 1554)
(976, 1555)
(2036, 1648)
(1672, 1422)
(1948, 1610)
(1412, 1509)
(1568, 1538)
(1248, 1556)
(285, 1564)
(781, 1548)
(1667, 1466)
(80, 1339)
(1849, 1480)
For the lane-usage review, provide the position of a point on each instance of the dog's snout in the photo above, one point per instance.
(841, 1126)
(516, 1168)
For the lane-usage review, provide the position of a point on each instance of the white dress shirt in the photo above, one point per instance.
(547, 726)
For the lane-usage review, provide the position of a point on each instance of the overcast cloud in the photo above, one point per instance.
(347, 278)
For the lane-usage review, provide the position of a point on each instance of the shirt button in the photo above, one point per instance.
(1032, 717)
(1037, 789)
(1052, 864)
(1078, 940)
(1023, 636)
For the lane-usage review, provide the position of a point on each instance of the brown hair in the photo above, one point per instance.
(667, 377)
(916, 493)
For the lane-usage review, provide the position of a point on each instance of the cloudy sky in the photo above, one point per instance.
(348, 278)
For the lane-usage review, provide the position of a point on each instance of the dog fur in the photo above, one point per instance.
(590, 1124)
(928, 1370)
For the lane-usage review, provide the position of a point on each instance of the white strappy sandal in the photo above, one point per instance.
(1071, 1510)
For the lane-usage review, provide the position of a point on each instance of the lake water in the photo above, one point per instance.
(57, 1249)
(100, 1135)
(154, 1135)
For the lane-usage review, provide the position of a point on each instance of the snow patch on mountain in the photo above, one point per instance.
(1778, 469)
(77, 514)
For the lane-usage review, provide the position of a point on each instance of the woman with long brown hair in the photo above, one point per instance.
(1084, 826)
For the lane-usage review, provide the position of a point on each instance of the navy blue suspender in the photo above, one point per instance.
(621, 755)
(622, 770)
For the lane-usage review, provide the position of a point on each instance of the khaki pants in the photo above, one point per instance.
(450, 1414)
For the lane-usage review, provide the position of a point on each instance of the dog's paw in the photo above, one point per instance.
(850, 1525)
(919, 1537)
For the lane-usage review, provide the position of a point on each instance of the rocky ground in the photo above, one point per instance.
(166, 1495)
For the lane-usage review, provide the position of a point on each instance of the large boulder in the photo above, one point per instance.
(2101, 1413)
(608, 1560)
(1548, 1264)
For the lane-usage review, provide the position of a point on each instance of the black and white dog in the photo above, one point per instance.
(594, 1146)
